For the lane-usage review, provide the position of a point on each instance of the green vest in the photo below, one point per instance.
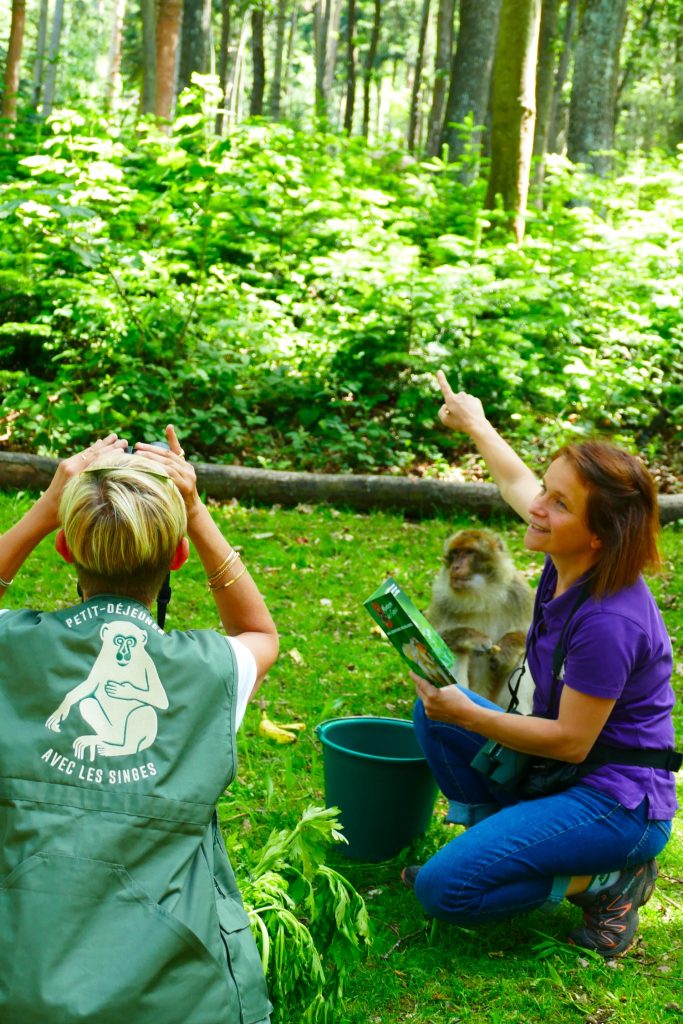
(118, 904)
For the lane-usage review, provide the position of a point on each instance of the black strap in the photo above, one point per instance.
(558, 660)
(163, 600)
(641, 757)
(560, 652)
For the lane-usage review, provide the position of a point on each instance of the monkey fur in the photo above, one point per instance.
(481, 605)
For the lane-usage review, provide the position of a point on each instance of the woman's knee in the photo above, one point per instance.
(444, 896)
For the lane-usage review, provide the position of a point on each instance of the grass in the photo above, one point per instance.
(315, 566)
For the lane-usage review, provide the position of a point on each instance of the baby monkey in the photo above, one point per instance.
(482, 605)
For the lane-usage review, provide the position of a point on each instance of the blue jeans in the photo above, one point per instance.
(519, 855)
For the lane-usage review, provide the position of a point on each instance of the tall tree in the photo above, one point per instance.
(278, 58)
(417, 76)
(331, 44)
(169, 15)
(676, 127)
(545, 80)
(39, 64)
(370, 60)
(286, 75)
(223, 63)
(53, 58)
(149, 56)
(16, 41)
(350, 66)
(235, 82)
(113, 89)
(258, 62)
(558, 116)
(442, 68)
(194, 40)
(590, 136)
(512, 128)
(327, 14)
(470, 84)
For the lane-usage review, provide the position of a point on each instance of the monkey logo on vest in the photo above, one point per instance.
(120, 697)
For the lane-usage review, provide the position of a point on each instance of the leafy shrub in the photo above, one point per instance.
(286, 297)
(309, 922)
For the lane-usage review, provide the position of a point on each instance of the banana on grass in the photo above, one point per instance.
(285, 733)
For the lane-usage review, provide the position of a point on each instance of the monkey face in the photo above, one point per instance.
(471, 557)
(124, 648)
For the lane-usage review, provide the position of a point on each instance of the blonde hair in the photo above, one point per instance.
(123, 519)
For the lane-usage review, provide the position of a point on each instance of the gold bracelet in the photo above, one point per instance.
(225, 564)
(214, 580)
(230, 582)
(6, 583)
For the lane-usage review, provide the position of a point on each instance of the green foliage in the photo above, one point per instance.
(286, 297)
(310, 923)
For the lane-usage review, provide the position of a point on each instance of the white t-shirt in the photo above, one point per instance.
(246, 676)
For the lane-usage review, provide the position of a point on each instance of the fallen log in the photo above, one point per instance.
(416, 496)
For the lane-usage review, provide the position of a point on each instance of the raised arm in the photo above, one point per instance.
(515, 481)
(242, 610)
(43, 516)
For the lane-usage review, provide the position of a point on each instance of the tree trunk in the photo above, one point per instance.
(545, 81)
(468, 95)
(558, 117)
(53, 58)
(676, 128)
(258, 60)
(331, 44)
(350, 66)
(442, 68)
(39, 66)
(11, 83)
(590, 137)
(417, 76)
(276, 83)
(415, 496)
(320, 22)
(369, 70)
(169, 15)
(149, 56)
(114, 62)
(237, 72)
(290, 47)
(223, 63)
(512, 129)
(194, 41)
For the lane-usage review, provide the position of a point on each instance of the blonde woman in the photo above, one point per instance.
(118, 902)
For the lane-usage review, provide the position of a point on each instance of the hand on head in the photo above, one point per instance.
(75, 464)
(173, 461)
(459, 411)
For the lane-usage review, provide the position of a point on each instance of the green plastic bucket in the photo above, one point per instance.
(376, 774)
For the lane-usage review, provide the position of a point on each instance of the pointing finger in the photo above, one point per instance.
(446, 389)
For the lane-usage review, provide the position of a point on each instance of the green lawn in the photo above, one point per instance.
(315, 566)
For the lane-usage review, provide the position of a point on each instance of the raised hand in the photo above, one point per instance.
(180, 471)
(459, 411)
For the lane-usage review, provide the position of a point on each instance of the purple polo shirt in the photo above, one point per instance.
(616, 648)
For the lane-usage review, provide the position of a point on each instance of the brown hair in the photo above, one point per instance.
(621, 510)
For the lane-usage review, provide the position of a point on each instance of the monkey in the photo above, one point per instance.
(119, 697)
(481, 606)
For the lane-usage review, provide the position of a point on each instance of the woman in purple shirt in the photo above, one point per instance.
(601, 660)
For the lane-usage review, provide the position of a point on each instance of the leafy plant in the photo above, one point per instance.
(310, 923)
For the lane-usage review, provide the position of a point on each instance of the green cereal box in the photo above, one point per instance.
(410, 633)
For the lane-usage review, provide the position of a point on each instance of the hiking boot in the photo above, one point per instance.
(611, 916)
(409, 874)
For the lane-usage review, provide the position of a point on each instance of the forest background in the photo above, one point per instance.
(271, 223)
